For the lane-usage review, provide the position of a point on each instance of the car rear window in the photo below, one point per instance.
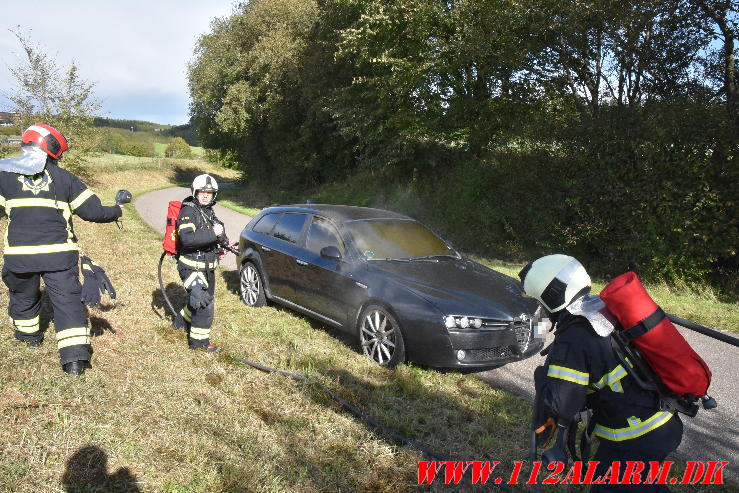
(289, 227)
(266, 223)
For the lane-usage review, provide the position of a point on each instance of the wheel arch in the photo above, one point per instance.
(251, 255)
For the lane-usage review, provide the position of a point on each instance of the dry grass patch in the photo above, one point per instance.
(155, 416)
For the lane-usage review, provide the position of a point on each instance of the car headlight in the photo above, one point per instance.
(464, 322)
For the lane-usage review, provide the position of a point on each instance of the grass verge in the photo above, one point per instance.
(153, 416)
(702, 306)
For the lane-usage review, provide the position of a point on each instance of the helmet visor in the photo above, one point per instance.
(31, 161)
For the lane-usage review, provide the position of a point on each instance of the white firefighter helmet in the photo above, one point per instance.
(204, 183)
(555, 281)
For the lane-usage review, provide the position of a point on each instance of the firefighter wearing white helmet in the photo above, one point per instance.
(582, 372)
(555, 281)
(201, 235)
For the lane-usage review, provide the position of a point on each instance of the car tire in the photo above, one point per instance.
(251, 286)
(380, 336)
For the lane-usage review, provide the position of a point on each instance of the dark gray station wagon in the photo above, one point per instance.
(388, 280)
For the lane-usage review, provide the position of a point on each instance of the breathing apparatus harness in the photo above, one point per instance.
(171, 245)
(635, 365)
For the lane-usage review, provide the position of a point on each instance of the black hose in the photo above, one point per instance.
(715, 334)
(360, 414)
(161, 285)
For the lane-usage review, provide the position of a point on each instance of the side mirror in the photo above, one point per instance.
(331, 252)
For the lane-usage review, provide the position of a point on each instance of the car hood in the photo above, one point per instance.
(460, 287)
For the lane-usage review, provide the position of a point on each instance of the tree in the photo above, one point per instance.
(57, 96)
(178, 148)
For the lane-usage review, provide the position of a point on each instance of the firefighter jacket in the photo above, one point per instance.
(582, 370)
(40, 236)
(199, 245)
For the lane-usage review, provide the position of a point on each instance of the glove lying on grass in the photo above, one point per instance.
(96, 282)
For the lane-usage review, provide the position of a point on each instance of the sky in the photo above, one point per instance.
(136, 52)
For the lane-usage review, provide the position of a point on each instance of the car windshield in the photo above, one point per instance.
(396, 239)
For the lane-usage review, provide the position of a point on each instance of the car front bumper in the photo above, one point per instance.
(481, 348)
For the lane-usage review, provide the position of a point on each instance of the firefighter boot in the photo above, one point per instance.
(208, 349)
(75, 368)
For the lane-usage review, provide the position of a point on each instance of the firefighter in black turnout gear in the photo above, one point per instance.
(201, 235)
(39, 199)
(582, 371)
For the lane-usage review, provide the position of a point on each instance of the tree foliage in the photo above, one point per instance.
(58, 96)
(178, 149)
(603, 128)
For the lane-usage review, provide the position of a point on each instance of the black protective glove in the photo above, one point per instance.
(103, 281)
(123, 197)
(199, 297)
(96, 282)
(90, 286)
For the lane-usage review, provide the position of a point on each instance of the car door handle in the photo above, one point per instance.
(265, 249)
(301, 262)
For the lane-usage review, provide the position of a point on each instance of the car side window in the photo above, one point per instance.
(322, 234)
(266, 223)
(289, 227)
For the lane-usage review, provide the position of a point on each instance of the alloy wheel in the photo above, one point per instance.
(250, 285)
(378, 336)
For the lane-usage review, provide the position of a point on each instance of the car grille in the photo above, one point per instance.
(523, 337)
(498, 352)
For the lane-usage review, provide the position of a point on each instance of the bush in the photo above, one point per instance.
(136, 149)
(10, 131)
(6, 150)
(178, 148)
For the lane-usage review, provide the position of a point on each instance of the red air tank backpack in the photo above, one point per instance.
(170, 242)
(646, 328)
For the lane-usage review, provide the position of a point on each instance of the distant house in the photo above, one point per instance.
(7, 118)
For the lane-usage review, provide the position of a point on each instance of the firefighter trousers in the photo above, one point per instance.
(199, 319)
(70, 314)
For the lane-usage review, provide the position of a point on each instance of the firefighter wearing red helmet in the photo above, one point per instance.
(582, 372)
(201, 235)
(40, 199)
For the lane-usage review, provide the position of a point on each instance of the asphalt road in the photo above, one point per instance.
(712, 435)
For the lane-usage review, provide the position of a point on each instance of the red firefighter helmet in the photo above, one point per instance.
(48, 138)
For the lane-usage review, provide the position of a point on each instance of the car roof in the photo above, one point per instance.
(338, 213)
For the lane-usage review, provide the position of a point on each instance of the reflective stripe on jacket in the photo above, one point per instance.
(40, 235)
(198, 242)
(582, 370)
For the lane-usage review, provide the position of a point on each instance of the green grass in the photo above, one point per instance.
(702, 306)
(153, 412)
(159, 148)
(183, 421)
(249, 211)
